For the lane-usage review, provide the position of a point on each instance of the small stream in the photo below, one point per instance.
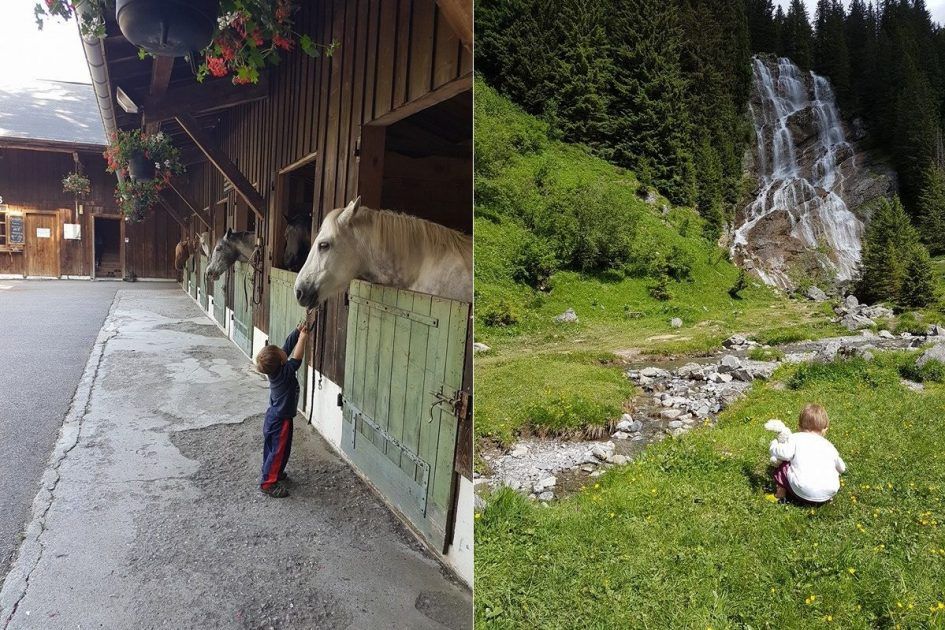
(676, 395)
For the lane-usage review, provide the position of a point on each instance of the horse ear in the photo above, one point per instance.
(349, 212)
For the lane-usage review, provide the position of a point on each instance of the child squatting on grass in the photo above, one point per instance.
(808, 465)
(280, 366)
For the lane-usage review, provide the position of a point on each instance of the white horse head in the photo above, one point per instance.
(388, 248)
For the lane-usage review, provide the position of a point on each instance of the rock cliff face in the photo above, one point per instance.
(815, 183)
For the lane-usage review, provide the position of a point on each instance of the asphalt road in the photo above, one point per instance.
(47, 329)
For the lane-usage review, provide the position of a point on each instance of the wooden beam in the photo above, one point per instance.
(161, 70)
(440, 94)
(170, 210)
(190, 205)
(201, 98)
(311, 157)
(459, 15)
(223, 164)
(30, 144)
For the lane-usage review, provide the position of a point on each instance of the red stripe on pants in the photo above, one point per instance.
(273, 475)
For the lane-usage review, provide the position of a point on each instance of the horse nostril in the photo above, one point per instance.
(298, 294)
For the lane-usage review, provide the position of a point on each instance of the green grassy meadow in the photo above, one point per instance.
(689, 536)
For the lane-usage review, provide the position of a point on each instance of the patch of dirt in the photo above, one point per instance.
(269, 563)
(192, 328)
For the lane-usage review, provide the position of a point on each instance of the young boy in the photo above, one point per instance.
(810, 466)
(280, 365)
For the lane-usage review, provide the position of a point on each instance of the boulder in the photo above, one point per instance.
(875, 312)
(625, 422)
(653, 372)
(814, 293)
(935, 330)
(546, 496)
(691, 371)
(480, 347)
(735, 341)
(885, 334)
(935, 353)
(851, 303)
(545, 484)
(670, 414)
(675, 322)
(619, 460)
(729, 363)
(827, 353)
(567, 317)
(852, 321)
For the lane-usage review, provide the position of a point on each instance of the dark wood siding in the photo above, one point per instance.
(31, 181)
(391, 52)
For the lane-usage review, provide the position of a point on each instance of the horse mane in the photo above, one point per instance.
(407, 231)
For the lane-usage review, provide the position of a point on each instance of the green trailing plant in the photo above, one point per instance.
(76, 184)
(135, 198)
(89, 13)
(741, 283)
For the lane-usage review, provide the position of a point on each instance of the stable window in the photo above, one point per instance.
(3, 229)
(291, 229)
(421, 163)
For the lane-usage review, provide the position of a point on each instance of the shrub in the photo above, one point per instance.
(534, 264)
(500, 315)
(741, 283)
(933, 371)
(910, 322)
(765, 354)
(843, 372)
(660, 290)
(567, 415)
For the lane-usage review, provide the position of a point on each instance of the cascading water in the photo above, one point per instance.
(801, 181)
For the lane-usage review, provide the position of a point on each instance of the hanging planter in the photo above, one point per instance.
(77, 184)
(144, 164)
(236, 38)
(168, 28)
(140, 167)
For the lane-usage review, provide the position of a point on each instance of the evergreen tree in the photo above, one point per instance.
(932, 210)
(893, 263)
(650, 127)
(831, 57)
(762, 28)
(918, 285)
(797, 35)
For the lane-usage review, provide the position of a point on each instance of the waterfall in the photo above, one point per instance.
(807, 189)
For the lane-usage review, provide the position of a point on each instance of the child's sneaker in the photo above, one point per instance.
(276, 491)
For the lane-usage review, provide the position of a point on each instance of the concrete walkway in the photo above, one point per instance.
(149, 516)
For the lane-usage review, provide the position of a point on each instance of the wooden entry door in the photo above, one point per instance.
(284, 315)
(42, 245)
(404, 360)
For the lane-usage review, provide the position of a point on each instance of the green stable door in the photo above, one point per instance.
(284, 315)
(243, 308)
(404, 360)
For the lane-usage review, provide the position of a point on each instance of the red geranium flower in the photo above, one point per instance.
(217, 66)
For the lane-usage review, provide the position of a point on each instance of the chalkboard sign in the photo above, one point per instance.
(17, 234)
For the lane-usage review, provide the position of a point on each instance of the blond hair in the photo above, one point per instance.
(270, 359)
(813, 418)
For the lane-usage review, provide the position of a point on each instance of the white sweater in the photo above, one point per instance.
(814, 473)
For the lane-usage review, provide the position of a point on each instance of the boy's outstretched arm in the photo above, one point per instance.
(301, 338)
(291, 341)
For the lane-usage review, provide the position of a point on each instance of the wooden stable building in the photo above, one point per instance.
(389, 117)
(47, 130)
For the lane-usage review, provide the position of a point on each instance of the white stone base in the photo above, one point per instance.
(460, 554)
(326, 414)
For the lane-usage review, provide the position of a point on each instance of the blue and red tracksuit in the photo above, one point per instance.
(277, 429)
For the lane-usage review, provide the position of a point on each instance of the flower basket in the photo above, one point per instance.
(140, 167)
(77, 184)
(236, 38)
(168, 28)
(145, 164)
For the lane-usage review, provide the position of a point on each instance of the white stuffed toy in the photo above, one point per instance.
(784, 434)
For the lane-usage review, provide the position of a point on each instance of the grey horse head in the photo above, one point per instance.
(231, 247)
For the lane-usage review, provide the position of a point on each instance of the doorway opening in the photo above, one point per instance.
(107, 248)
(292, 223)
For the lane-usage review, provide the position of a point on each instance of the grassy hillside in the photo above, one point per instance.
(545, 376)
(689, 536)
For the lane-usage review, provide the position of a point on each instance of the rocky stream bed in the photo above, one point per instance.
(675, 396)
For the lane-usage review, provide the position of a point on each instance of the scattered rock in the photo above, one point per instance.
(675, 322)
(916, 387)
(670, 414)
(620, 435)
(885, 334)
(619, 460)
(935, 353)
(567, 317)
(827, 353)
(935, 330)
(850, 302)
(729, 363)
(814, 293)
(546, 496)
(480, 347)
(852, 321)
(545, 484)
(519, 451)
